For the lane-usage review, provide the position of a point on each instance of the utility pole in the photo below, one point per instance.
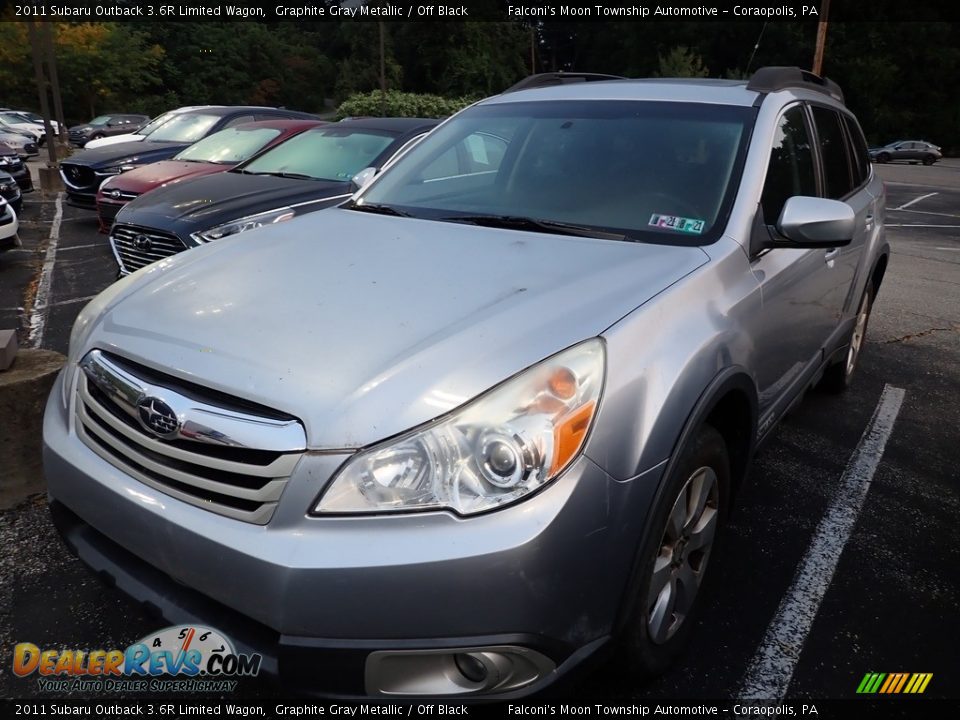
(821, 38)
(42, 90)
(51, 57)
(383, 70)
(533, 51)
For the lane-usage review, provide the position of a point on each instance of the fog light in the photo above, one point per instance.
(454, 671)
(471, 667)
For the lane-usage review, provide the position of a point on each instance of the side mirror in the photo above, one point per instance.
(809, 222)
(364, 177)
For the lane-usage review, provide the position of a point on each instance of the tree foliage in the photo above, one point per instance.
(899, 78)
(400, 104)
(681, 62)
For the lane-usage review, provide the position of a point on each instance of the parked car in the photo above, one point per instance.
(8, 226)
(85, 171)
(106, 126)
(305, 173)
(22, 143)
(13, 120)
(459, 433)
(10, 191)
(214, 154)
(11, 163)
(912, 150)
(36, 119)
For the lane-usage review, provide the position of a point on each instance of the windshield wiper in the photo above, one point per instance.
(296, 176)
(515, 222)
(377, 208)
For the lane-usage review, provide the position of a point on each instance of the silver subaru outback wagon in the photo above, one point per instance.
(488, 416)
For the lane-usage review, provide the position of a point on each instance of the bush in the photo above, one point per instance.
(400, 104)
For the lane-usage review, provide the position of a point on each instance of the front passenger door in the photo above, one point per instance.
(795, 283)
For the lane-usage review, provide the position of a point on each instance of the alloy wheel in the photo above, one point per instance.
(678, 569)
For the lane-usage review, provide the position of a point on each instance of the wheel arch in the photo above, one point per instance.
(730, 400)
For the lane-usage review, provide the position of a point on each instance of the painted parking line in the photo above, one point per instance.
(771, 669)
(38, 312)
(924, 212)
(915, 200)
(923, 225)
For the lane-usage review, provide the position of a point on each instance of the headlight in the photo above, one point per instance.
(250, 222)
(491, 452)
(7, 187)
(116, 169)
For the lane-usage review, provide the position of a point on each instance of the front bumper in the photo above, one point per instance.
(85, 199)
(546, 574)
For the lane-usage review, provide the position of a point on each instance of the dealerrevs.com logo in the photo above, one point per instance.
(182, 658)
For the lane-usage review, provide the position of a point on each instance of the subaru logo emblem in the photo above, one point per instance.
(142, 242)
(158, 417)
(115, 194)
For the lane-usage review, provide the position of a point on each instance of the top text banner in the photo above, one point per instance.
(489, 10)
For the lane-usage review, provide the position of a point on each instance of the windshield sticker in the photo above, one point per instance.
(672, 222)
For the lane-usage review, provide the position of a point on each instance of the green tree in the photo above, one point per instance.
(681, 62)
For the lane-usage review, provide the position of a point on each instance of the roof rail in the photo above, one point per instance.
(559, 78)
(771, 79)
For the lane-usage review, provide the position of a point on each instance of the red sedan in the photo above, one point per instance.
(219, 152)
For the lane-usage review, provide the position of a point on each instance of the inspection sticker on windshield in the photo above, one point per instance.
(672, 222)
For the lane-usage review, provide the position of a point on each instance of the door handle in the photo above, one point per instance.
(831, 254)
(868, 221)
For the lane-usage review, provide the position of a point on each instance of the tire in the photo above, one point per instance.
(96, 136)
(883, 157)
(672, 567)
(837, 377)
(929, 160)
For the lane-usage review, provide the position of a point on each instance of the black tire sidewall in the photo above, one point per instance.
(642, 655)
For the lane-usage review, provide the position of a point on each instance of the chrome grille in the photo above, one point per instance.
(136, 247)
(234, 463)
(79, 177)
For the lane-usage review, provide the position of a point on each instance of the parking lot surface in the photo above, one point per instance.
(890, 604)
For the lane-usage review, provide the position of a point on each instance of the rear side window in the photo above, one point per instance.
(791, 170)
(833, 151)
(861, 158)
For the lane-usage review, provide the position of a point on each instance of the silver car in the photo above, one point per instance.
(456, 435)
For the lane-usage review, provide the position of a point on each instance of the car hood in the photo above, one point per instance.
(114, 140)
(364, 326)
(206, 202)
(156, 174)
(139, 152)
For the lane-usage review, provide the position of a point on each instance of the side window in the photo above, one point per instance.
(833, 152)
(475, 154)
(791, 170)
(859, 154)
(238, 121)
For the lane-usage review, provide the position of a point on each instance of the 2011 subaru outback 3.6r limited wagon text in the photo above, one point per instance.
(455, 435)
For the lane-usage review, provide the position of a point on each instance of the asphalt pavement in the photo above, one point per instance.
(891, 604)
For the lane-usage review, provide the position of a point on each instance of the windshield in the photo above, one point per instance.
(13, 118)
(101, 120)
(229, 147)
(156, 123)
(652, 171)
(186, 127)
(334, 154)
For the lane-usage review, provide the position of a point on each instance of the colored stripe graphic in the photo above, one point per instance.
(894, 683)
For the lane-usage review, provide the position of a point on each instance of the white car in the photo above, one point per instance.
(20, 123)
(8, 226)
(142, 133)
(35, 119)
